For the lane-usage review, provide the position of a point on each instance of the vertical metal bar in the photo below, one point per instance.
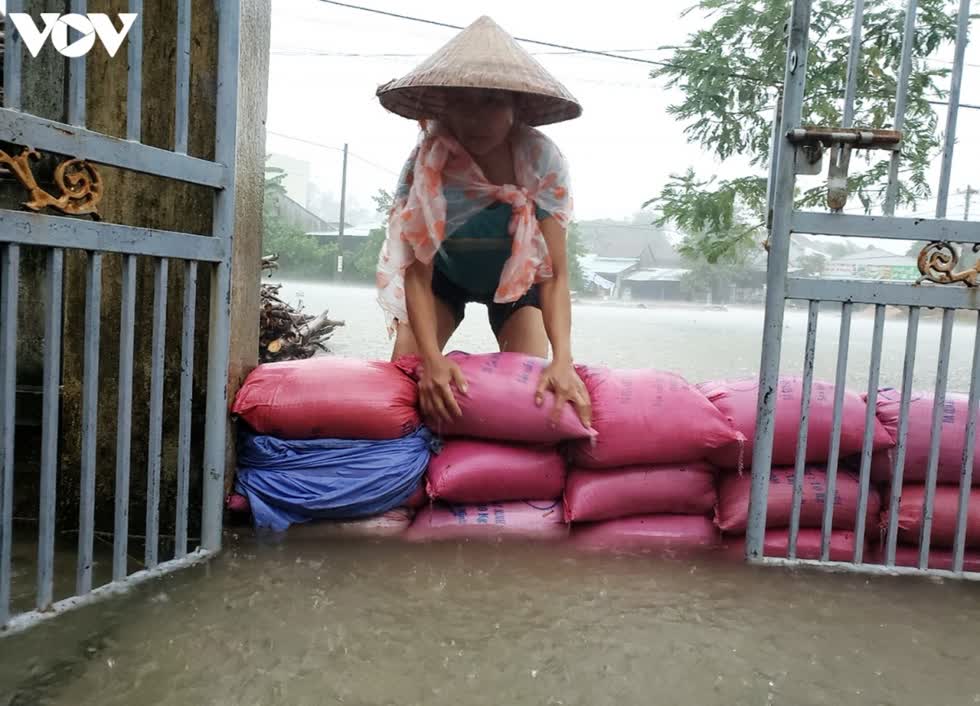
(853, 63)
(840, 386)
(870, 417)
(942, 371)
(966, 473)
(53, 283)
(186, 398)
(794, 82)
(901, 101)
(952, 112)
(226, 139)
(76, 76)
(798, 476)
(9, 282)
(13, 58)
(898, 469)
(773, 157)
(124, 418)
(134, 85)
(155, 447)
(183, 75)
(90, 418)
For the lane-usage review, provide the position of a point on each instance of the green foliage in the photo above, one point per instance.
(730, 74)
(812, 265)
(575, 249)
(916, 248)
(717, 279)
(365, 262)
(299, 254)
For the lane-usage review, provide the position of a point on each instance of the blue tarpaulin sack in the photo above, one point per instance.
(289, 482)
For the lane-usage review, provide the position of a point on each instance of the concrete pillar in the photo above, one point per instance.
(253, 99)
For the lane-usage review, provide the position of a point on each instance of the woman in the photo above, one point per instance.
(480, 215)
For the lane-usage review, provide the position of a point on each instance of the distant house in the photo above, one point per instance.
(631, 260)
(616, 239)
(655, 283)
(874, 264)
(292, 212)
(355, 237)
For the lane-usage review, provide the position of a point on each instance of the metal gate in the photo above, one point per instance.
(941, 287)
(82, 148)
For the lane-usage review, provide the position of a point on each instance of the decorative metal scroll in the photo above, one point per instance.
(79, 181)
(938, 263)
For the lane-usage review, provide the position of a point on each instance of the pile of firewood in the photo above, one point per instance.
(285, 332)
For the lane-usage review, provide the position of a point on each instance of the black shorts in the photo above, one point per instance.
(456, 298)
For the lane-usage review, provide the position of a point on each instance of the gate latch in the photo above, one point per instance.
(812, 142)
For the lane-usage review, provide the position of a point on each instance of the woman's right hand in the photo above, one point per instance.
(436, 396)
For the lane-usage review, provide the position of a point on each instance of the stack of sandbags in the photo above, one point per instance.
(948, 473)
(738, 401)
(482, 490)
(642, 483)
(333, 441)
(499, 473)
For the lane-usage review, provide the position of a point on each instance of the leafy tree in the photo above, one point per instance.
(915, 248)
(299, 254)
(576, 249)
(812, 265)
(730, 75)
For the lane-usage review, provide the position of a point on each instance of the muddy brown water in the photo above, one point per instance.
(379, 623)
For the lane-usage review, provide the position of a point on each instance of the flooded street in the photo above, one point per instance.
(389, 623)
(384, 623)
(697, 342)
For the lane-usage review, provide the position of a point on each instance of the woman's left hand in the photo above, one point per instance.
(561, 378)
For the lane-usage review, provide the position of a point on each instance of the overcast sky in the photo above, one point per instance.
(327, 62)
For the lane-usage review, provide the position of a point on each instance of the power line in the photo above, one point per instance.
(570, 49)
(553, 45)
(334, 148)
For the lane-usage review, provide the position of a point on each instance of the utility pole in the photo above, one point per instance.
(970, 191)
(343, 204)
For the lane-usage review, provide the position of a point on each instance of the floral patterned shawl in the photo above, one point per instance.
(441, 187)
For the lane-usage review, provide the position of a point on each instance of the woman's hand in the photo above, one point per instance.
(436, 396)
(561, 378)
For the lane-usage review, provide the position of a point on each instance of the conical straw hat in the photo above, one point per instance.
(481, 56)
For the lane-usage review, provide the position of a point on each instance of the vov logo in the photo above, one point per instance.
(91, 26)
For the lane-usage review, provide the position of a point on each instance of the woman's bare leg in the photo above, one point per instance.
(405, 343)
(524, 332)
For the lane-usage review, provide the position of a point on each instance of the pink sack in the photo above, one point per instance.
(944, 508)
(418, 498)
(734, 490)
(470, 471)
(329, 397)
(500, 402)
(776, 545)
(238, 503)
(640, 490)
(906, 555)
(521, 520)
(648, 417)
(953, 434)
(669, 533)
(388, 524)
(738, 399)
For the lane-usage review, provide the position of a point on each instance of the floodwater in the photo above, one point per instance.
(385, 623)
(697, 342)
(388, 623)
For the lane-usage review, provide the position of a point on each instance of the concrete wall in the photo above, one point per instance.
(141, 200)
